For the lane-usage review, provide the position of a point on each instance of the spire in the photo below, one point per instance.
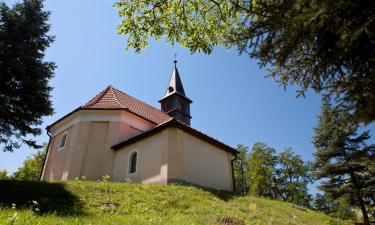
(175, 83)
(175, 103)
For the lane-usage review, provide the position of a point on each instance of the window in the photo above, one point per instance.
(63, 141)
(133, 162)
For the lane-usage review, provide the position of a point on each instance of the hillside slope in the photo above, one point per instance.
(82, 202)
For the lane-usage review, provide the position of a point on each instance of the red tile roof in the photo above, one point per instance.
(111, 98)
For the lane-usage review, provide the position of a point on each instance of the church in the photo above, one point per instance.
(118, 135)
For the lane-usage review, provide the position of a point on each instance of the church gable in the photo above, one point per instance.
(175, 123)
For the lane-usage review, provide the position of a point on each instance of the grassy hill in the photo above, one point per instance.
(83, 202)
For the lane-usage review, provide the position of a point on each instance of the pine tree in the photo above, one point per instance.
(24, 75)
(343, 158)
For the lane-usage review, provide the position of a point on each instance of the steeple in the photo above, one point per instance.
(175, 103)
(175, 83)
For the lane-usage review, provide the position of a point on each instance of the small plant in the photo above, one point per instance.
(128, 180)
(108, 205)
(105, 178)
(82, 178)
(13, 219)
(35, 207)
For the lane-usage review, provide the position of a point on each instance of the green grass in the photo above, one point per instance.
(81, 202)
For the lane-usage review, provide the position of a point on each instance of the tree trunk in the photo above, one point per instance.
(243, 179)
(366, 220)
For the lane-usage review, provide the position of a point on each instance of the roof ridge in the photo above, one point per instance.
(140, 101)
(185, 127)
(116, 98)
(96, 98)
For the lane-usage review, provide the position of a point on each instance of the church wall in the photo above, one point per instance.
(152, 160)
(175, 156)
(79, 141)
(54, 168)
(93, 161)
(202, 163)
(90, 137)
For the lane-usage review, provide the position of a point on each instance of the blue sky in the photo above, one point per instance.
(233, 101)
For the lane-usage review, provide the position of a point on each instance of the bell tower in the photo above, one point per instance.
(175, 103)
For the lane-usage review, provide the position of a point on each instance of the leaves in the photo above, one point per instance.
(293, 176)
(32, 166)
(327, 46)
(262, 161)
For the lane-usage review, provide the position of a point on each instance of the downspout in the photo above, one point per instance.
(233, 178)
(45, 157)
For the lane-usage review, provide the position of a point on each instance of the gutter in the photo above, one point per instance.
(45, 157)
(233, 178)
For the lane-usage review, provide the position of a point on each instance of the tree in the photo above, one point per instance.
(32, 166)
(262, 161)
(343, 158)
(293, 176)
(337, 208)
(328, 46)
(24, 75)
(4, 175)
(241, 167)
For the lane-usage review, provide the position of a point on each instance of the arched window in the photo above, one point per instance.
(63, 141)
(133, 162)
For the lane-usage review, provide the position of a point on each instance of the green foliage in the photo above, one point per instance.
(293, 176)
(24, 75)
(344, 159)
(263, 173)
(338, 208)
(324, 45)
(142, 204)
(32, 166)
(241, 168)
(4, 175)
(262, 162)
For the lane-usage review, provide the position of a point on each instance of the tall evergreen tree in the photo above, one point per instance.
(241, 167)
(262, 161)
(343, 158)
(24, 75)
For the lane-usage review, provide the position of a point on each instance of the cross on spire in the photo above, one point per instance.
(175, 60)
